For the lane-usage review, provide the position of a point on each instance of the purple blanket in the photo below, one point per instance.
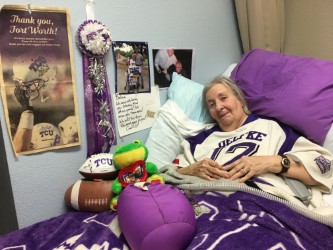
(238, 221)
(73, 230)
(245, 221)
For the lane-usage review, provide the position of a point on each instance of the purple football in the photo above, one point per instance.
(159, 218)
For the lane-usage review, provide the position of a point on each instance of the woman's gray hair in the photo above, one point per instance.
(231, 85)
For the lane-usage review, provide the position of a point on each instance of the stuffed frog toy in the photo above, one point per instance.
(130, 160)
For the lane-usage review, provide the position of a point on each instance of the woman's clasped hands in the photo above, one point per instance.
(242, 169)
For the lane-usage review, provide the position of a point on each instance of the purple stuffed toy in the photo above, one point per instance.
(160, 217)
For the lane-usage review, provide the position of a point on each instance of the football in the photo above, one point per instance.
(99, 166)
(45, 135)
(89, 196)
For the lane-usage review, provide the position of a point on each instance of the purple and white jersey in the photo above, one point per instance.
(259, 136)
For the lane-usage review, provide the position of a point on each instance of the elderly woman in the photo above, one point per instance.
(251, 149)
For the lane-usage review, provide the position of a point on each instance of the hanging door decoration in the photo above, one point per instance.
(94, 41)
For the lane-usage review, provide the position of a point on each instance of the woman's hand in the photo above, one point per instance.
(248, 166)
(206, 169)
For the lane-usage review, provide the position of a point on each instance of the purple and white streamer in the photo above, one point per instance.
(94, 41)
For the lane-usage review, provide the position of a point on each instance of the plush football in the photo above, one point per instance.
(160, 217)
(99, 166)
(89, 196)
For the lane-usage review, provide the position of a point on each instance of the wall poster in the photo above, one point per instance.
(37, 78)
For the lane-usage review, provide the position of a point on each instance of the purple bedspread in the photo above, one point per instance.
(73, 230)
(244, 221)
(238, 221)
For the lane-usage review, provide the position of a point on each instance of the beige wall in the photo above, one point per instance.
(309, 28)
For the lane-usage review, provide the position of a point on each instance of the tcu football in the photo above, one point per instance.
(94, 192)
(99, 166)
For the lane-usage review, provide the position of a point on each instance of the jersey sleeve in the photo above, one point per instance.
(316, 160)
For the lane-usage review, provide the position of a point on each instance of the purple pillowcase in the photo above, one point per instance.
(297, 91)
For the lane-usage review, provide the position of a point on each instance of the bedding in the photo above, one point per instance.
(170, 128)
(239, 207)
(229, 215)
(233, 220)
(295, 90)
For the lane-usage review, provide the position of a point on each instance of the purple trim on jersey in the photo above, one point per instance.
(291, 135)
(257, 179)
(199, 138)
(250, 118)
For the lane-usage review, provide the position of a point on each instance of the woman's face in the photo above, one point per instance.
(225, 107)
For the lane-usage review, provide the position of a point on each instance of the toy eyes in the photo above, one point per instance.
(137, 141)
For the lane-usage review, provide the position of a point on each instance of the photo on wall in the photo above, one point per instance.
(169, 60)
(132, 67)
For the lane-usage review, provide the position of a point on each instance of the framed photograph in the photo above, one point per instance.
(169, 60)
(132, 67)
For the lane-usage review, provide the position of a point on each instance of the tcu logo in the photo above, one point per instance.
(323, 164)
(103, 161)
(39, 65)
(46, 133)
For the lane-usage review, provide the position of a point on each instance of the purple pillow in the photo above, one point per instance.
(297, 91)
(160, 218)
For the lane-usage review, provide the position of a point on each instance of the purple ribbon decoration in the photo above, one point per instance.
(94, 40)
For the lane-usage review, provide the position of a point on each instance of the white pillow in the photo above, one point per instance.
(227, 72)
(170, 128)
(328, 142)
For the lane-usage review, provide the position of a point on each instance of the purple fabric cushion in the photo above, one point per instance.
(160, 218)
(297, 91)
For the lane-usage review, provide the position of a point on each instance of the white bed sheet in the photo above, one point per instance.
(169, 130)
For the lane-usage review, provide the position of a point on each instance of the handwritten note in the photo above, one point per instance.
(136, 112)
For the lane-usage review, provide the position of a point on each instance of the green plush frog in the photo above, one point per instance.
(130, 160)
